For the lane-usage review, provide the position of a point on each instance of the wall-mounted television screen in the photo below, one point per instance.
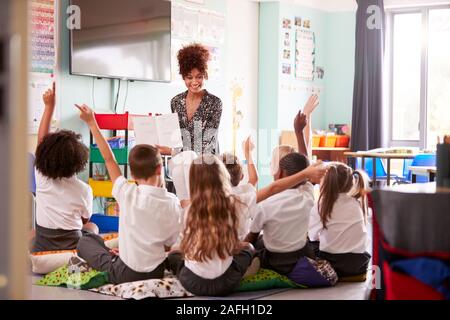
(122, 39)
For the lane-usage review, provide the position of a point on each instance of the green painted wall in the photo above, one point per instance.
(269, 37)
(340, 70)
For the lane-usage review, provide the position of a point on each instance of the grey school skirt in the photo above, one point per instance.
(55, 239)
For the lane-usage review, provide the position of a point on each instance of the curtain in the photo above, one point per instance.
(367, 129)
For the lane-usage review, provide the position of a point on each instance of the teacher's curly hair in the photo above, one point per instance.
(193, 56)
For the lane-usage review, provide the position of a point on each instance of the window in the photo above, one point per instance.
(418, 50)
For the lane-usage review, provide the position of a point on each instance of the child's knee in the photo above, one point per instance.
(91, 228)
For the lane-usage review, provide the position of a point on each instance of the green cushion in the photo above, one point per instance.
(266, 279)
(79, 280)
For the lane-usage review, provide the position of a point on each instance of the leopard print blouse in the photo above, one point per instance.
(200, 133)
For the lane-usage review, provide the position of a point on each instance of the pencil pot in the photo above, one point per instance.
(443, 165)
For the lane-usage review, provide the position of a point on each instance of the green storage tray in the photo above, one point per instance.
(120, 154)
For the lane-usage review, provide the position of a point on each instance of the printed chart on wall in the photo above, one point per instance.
(191, 24)
(43, 59)
(304, 54)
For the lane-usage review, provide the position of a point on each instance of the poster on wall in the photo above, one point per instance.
(197, 24)
(38, 83)
(43, 60)
(190, 24)
(286, 68)
(42, 40)
(286, 23)
(304, 54)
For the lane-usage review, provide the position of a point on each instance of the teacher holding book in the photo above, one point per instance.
(199, 111)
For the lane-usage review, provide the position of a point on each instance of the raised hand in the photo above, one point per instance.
(300, 122)
(86, 113)
(311, 104)
(49, 97)
(248, 147)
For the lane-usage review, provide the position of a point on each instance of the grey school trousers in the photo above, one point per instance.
(281, 262)
(92, 249)
(220, 286)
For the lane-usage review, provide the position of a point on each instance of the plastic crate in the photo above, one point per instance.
(101, 188)
(105, 223)
(111, 121)
(316, 141)
(120, 154)
(342, 141)
(322, 141)
(330, 141)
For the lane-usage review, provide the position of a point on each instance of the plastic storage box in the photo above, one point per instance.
(330, 141)
(342, 141)
(105, 223)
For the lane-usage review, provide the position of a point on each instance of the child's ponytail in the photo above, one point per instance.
(359, 191)
(329, 192)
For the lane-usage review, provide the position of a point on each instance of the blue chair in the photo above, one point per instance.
(381, 173)
(420, 160)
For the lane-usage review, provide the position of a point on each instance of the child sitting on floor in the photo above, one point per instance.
(63, 202)
(214, 259)
(338, 220)
(245, 192)
(280, 151)
(284, 217)
(149, 215)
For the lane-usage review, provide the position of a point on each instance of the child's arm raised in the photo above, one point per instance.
(300, 123)
(49, 102)
(314, 172)
(308, 109)
(110, 161)
(251, 168)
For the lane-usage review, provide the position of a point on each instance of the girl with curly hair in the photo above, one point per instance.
(63, 202)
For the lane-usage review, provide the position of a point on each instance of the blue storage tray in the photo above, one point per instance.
(105, 223)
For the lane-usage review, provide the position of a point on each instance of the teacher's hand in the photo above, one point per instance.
(164, 150)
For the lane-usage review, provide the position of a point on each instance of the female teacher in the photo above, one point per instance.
(198, 110)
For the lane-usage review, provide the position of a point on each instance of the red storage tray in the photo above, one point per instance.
(109, 121)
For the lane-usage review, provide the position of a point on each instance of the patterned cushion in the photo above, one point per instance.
(167, 287)
(313, 273)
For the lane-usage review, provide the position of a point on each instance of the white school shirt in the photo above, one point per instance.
(149, 220)
(346, 231)
(284, 219)
(246, 193)
(61, 203)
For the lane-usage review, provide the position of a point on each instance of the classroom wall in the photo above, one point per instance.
(268, 86)
(340, 67)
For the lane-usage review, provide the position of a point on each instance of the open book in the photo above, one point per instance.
(163, 130)
(179, 167)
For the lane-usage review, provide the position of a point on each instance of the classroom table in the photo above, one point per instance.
(382, 155)
(428, 171)
(419, 188)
